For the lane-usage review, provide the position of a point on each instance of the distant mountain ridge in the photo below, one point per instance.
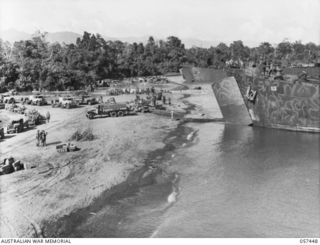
(12, 35)
(62, 37)
(68, 37)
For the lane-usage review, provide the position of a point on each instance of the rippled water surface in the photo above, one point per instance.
(246, 182)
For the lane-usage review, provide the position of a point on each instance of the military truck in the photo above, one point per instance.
(34, 118)
(109, 110)
(142, 105)
(17, 126)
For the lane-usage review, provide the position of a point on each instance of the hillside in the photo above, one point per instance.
(63, 37)
(67, 37)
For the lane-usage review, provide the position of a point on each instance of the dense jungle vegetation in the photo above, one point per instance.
(37, 64)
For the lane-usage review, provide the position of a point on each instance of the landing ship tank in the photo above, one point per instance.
(248, 96)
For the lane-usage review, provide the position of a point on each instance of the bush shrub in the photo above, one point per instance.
(86, 135)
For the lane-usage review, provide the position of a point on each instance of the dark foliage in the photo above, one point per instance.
(37, 64)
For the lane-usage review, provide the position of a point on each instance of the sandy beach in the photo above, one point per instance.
(60, 183)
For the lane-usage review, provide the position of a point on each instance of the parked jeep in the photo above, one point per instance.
(67, 102)
(37, 100)
(6, 98)
(88, 100)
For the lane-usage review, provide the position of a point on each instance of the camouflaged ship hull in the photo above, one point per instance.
(248, 97)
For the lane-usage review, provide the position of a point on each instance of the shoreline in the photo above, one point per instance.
(153, 172)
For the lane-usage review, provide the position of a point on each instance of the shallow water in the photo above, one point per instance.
(246, 182)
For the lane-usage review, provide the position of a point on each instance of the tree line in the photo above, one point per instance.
(37, 64)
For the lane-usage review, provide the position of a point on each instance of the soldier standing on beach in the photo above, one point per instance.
(43, 138)
(164, 99)
(38, 137)
(154, 100)
(48, 116)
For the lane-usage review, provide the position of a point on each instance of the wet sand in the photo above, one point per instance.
(149, 185)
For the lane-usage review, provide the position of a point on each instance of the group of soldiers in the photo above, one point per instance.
(41, 135)
(41, 138)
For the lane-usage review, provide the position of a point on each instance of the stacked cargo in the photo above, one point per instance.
(9, 165)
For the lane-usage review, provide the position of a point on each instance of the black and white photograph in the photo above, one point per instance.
(159, 119)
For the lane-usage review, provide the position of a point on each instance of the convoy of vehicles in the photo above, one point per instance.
(109, 109)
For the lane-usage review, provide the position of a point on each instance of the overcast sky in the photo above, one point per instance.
(217, 20)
